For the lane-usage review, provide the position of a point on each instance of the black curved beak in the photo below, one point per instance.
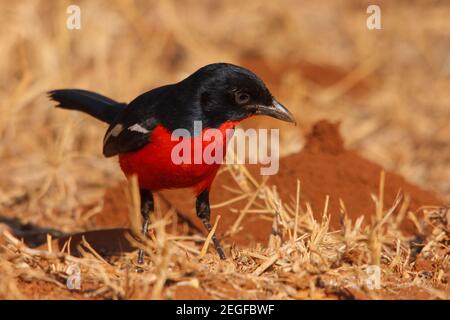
(277, 111)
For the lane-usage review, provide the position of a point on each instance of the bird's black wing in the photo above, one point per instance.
(133, 127)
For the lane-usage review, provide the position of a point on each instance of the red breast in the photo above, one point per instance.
(155, 169)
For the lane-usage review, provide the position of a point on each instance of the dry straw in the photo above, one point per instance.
(307, 254)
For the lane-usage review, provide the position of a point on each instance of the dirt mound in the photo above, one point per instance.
(325, 167)
(115, 211)
(324, 137)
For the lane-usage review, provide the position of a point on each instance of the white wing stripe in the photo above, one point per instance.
(114, 132)
(138, 128)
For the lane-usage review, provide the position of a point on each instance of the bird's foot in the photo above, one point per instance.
(219, 248)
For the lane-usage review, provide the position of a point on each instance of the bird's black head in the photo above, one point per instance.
(226, 92)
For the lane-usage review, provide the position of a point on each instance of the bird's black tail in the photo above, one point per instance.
(94, 104)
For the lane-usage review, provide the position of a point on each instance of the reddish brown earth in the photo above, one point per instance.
(325, 167)
(42, 290)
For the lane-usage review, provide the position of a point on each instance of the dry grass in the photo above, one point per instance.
(389, 89)
(307, 261)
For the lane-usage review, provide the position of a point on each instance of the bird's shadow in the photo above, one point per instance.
(31, 234)
(106, 242)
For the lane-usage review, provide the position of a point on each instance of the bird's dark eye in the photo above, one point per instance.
(242, 98)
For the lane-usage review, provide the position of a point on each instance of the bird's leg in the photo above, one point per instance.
(147, 206)
(204, 213)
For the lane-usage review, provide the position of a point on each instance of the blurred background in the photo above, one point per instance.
(388, 88)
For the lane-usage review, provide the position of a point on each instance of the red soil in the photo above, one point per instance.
(325, 167)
